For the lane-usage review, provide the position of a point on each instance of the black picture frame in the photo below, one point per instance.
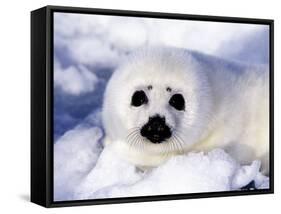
(42, 105)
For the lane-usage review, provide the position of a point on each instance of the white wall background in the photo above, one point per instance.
(15, 105)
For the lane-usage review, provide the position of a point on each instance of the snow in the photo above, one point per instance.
(75, 153)
(74, 80)
(104, 40)
(85, 170)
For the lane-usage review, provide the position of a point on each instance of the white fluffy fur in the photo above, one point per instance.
(226, 106)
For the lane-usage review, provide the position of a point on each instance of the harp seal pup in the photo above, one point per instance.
(167, 101)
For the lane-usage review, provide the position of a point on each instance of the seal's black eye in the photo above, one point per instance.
(177, 101)
(139, 98)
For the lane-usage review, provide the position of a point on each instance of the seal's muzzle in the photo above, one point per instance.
(156, 129)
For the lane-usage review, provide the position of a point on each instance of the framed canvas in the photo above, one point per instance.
(131, 106)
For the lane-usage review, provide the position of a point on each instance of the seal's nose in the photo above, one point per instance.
(156, 129)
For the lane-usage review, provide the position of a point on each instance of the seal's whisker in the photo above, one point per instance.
(179, 142)
(179, 133)
(138, 143)
(166, 148)
(141, 144)
(134, 128)
(135, 131)
(169, 147)
(171, 143)
(134, 139)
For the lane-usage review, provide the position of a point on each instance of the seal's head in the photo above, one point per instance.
(156, 104)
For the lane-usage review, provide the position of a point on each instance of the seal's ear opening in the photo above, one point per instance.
(139, 98)
(177, 101)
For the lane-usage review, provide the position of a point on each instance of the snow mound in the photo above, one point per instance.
(75, 154)
(191, 173)
(85, 171)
